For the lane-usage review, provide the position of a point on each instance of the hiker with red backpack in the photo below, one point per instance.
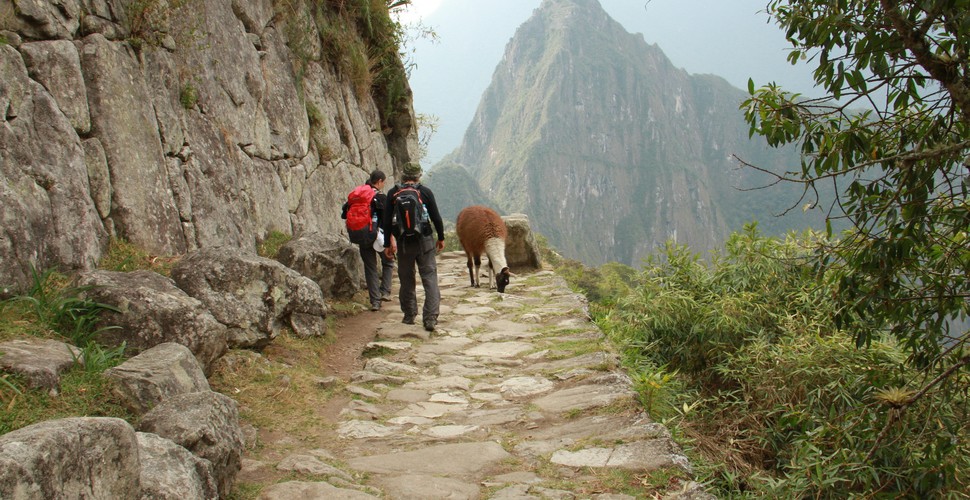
(409, 212)
(363, 211)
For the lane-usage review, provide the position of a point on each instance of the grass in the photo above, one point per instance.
(269, 246)
(83, 393)
(123, 256)
(188, 96)
(52, 307)
(278, 390)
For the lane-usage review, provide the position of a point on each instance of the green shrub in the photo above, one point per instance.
(783, 402)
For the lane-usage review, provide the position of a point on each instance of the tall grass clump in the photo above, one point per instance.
(51, 307)
(58, 307)
(743, 350)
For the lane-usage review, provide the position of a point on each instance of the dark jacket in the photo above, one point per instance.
(427, 197)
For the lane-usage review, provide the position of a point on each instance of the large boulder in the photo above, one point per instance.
(170, 472)
(328, 259)
(153, 311)
(158, 373)
(39, 361)
(252, 295)
(205, 423)
(70, 458)
(521, 248)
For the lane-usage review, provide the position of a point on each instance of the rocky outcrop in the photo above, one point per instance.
(151, 310)
(176, 126)
(328, 259)
(252, 296)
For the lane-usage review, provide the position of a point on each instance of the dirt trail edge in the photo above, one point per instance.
(514, 396)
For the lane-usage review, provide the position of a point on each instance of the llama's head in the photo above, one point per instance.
(502, 279)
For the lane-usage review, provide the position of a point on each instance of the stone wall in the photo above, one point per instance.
(190, 135)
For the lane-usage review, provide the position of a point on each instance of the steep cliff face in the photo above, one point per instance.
(607, 146)
(179, 125)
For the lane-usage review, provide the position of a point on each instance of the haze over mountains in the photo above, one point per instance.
(609, 147)
(736, 40)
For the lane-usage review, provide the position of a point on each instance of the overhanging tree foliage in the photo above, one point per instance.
(892, 135)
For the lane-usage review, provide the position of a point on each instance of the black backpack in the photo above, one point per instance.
(411, 214)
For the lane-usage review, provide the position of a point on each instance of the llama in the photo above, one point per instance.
(481, 230)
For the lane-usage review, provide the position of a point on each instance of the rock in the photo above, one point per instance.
(308, 464)
(47, 19)
(154, 311)
(205, 423)
(582, 397)
(328, 259)
(170, 472)
(690, 490)
(254, 14)
(285, 111)
(57, 66)
(637, 456)
(311, 491)
(123, 117)
(99, 178)
(448, 459)
(70, 458)
(40, 361)
(157, 373)
(253, 296)
(419, 487)
(521, 249)
(48, 217)
(525, 386)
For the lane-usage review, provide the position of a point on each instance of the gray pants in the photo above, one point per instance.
(419, 252)
(376, 284)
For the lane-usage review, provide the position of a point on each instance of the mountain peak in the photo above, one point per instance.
(608, 147)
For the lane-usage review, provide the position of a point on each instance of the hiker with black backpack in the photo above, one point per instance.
(363, 211)
(409, 212)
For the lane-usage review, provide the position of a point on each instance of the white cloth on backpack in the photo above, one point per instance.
(379, 241)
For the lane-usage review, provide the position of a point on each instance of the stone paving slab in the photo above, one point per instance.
(515, 395)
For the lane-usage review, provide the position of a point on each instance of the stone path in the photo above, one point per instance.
(515, 396)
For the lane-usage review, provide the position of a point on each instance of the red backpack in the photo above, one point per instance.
(361, 220)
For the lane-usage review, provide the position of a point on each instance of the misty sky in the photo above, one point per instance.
(733, 39)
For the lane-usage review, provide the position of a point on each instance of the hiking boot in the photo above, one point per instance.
(386, 296)
(430, 323)
(408, 320)
(376, 306)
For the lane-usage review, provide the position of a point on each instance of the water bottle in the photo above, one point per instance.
(424, 213)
